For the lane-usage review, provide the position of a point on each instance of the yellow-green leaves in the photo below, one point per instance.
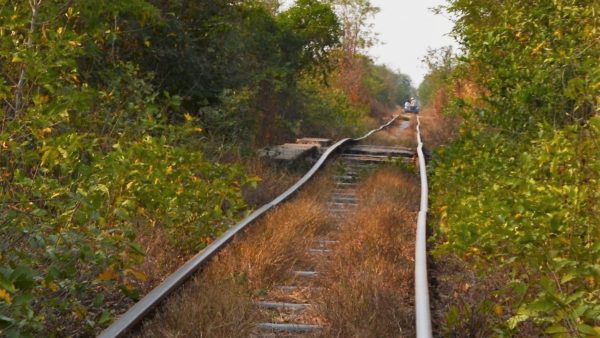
(522, 183)
(5, 296)
(530, 205)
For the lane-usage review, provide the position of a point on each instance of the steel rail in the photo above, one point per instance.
(422, 309)
(137, 312)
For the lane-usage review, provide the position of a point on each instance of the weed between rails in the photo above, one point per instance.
(368, 282)
(369, 279)
(219, 301)
(396, 136)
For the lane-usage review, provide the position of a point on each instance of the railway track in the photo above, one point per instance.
(288, 307)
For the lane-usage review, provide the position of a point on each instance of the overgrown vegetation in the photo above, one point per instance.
(123, 124)
(518, 190)
(219, 302)
(369, 276)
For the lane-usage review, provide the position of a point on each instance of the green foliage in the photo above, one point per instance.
(329, 113)
(206, 50)
(310, 30)
(354, 17)
(200, 48)
(538, 60)
(385, 86)
(442, 65)
(519, 188)
(531, 205)
(84, 167)
(112, 115)
(359, 78)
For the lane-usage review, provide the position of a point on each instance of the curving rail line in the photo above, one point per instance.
(138, 311)
(422, 309)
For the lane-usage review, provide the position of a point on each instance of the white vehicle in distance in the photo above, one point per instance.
(412, 106)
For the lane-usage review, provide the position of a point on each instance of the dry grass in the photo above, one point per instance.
(218, 302)
(274, 180)
(466, 305)
(438, 129)
(391, 185)
(369, 280)
(395, 136)
(267, 255)
(163, 257)
(211, 305)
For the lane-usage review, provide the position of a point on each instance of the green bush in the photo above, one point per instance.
(96, 150)
(529, 205)
(519, 189)
(84, 168)
(329, 112)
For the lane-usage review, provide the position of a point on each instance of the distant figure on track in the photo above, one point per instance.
(411, 106)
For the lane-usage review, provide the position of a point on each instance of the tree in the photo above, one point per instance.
(310, 32)
(441, 63)
(88, 160)
(538, 61)
(520, 185)
(354, 16)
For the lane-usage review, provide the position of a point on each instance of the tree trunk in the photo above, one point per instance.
(20, 87)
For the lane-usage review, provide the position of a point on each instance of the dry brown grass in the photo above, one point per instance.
(267, 255)
(211, 305)
(438, 129)
(274, 179)
(218, 302)
(395, 136)
(464, 304)
(391, 185)
(369, 280)
(162, 256)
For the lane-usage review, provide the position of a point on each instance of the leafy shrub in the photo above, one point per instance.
(537, 61)
(95, 151)
(84, 168)
(520, 187)
(329, 112)
(529, 205)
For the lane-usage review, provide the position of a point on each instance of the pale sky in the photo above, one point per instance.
(407, 28)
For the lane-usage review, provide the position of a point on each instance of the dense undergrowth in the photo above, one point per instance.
(368, 277)
(219, 302)
(125, 133)
(518, 191)
(528, 207)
